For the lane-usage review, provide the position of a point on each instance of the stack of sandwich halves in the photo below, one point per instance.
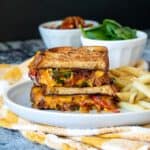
(72, 79)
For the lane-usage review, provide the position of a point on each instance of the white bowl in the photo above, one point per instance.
(121, 52)
(61, 37)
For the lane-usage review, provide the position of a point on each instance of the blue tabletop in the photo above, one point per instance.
(18, 51)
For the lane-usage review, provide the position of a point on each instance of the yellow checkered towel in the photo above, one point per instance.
(113, 138)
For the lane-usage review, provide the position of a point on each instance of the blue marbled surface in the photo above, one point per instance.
(13, 140)
(16, 52)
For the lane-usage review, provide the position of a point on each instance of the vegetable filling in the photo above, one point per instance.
(70, 77)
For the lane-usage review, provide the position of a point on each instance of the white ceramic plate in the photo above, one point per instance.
(18, 100)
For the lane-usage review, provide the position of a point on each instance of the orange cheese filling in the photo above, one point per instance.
(83, 103)
(69, 78)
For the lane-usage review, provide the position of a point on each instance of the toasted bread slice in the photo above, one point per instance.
(88, 57)
(104, 90)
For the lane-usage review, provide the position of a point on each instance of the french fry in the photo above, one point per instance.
(140, 96)
(127, 88)
(128, 78)
(145, 78)
(123, 96)
(139, 64)
(134, 87)
(132, 97)
(120, 83)
(144, 104)
(111, 75)
(142, 88)
(146, 99)
(116, 72)
(123, 81)
(131, 107)
(132, 71)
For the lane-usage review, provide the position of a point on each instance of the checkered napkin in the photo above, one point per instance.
(113, 138)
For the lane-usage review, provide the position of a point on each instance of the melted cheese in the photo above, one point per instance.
(83, 103)
(46, 78)
(99, 73)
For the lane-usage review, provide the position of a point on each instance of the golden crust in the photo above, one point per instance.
(104, 90)
(88, 57)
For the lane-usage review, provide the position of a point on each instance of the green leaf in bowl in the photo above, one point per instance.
(109, 30)
(112, 22)
(125, 33)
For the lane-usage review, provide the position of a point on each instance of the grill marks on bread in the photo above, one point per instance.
(88, 57)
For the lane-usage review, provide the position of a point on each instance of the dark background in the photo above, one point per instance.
(19, 19)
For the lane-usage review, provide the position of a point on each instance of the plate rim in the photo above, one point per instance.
(55, 112)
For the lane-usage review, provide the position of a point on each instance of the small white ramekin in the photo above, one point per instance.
(61, 37)
(121, 52)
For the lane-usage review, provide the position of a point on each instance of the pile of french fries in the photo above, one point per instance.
(134, 85)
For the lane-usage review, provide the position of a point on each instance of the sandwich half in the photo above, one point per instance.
(65, 75)
(74, 102)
